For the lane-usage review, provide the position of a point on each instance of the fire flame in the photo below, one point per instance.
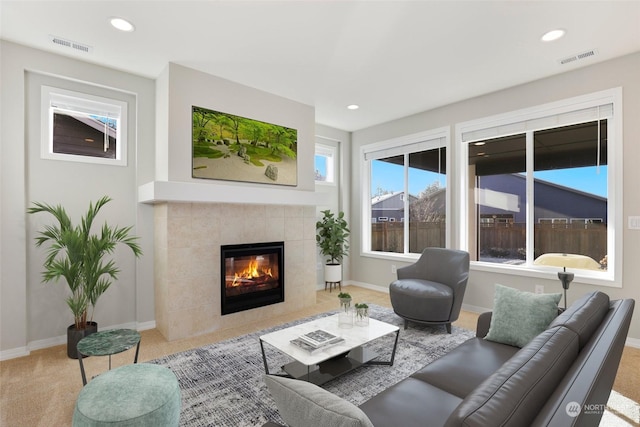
(251, 272)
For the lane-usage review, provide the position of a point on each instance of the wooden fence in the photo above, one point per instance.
(502, 240)
(574, 238)
(389, 236)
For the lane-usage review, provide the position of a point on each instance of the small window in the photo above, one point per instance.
(325, 164)
(83, 128)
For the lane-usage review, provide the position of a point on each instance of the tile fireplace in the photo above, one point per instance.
(188, 241)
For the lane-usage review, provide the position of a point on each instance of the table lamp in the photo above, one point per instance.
(566, 279)
(561, 260)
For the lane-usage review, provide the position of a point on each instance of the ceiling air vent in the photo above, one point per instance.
(59, 41)
(577, 57)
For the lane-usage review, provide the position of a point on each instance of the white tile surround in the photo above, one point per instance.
(188, 236)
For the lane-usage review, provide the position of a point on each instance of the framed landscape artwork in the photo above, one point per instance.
(235, 148)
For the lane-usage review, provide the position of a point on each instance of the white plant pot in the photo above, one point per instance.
(333, 273)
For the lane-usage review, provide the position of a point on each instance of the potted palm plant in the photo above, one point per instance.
(78, 255)
(332, 238)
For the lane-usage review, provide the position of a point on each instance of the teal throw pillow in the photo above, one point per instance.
(519, 316)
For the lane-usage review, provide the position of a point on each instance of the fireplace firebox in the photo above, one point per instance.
(252, 275)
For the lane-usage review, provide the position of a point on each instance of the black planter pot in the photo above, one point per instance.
(75, 335)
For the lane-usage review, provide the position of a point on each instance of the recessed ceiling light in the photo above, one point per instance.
(121, 24)
(479, 143)
(353, 107)
(553, 35)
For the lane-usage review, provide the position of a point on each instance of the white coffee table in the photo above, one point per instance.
(324, 365)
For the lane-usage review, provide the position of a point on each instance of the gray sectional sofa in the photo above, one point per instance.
(561, 377)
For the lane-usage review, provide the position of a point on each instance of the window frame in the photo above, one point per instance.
(430, 139)
(82, 102)
(509, 124)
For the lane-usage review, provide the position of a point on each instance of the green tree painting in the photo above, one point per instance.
(236, 148)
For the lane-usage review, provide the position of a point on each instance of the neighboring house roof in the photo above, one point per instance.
(381, 198)
(508, 193)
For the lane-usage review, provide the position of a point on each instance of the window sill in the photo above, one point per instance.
(581, 276)
(391, 256)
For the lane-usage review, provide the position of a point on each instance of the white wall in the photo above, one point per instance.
(337, 195)
(188, 87)
(622, 72)
(33, 314)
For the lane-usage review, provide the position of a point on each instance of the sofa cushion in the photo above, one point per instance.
(519, 316)
(514, 394)
(461, 370)
(301, 403)
(409, 403)
(584, 316)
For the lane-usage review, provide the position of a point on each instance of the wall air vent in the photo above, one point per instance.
(577, 57)
(59, 41)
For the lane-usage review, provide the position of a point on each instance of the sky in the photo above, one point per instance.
(389, 177)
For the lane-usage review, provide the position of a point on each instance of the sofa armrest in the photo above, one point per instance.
(484, 321)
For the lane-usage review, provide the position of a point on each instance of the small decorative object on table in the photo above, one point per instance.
(345, 319)
(362, 314)
(345, 301)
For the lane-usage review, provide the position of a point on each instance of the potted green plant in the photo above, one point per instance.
(332, 235)
(78, 255)
(362, 314)
(345, 301)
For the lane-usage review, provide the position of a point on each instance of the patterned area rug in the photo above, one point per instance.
(222, 383)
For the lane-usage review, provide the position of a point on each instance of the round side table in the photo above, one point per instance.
(106, 343)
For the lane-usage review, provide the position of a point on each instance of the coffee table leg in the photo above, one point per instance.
(264, 358)
(395, 345)
(393, 354)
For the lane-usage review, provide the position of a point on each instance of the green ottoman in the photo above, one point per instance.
(142, 394)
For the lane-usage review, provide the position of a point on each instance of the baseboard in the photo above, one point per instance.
(14, 353)
(475, 309)
(145, 326)
(633, 342)
(62, 340)
(367, 286)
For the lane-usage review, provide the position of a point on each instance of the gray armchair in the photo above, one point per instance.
(431, 290)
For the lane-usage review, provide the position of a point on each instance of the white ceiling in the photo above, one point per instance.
(393, 58)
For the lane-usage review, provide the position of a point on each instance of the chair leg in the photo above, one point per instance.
(406, 323)
(448, 325)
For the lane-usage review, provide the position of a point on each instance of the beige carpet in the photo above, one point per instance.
(41, 389)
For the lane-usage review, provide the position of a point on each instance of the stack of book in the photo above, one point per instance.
(317, 340)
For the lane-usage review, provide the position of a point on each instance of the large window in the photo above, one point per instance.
(406, 207)
(542, 187)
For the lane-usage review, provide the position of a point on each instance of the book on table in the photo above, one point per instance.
(298, 342)
(320, 338)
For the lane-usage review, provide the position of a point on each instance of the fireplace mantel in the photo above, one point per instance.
(174, 191)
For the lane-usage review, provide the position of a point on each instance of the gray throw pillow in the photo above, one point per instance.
(519, 316)
(302, 404)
